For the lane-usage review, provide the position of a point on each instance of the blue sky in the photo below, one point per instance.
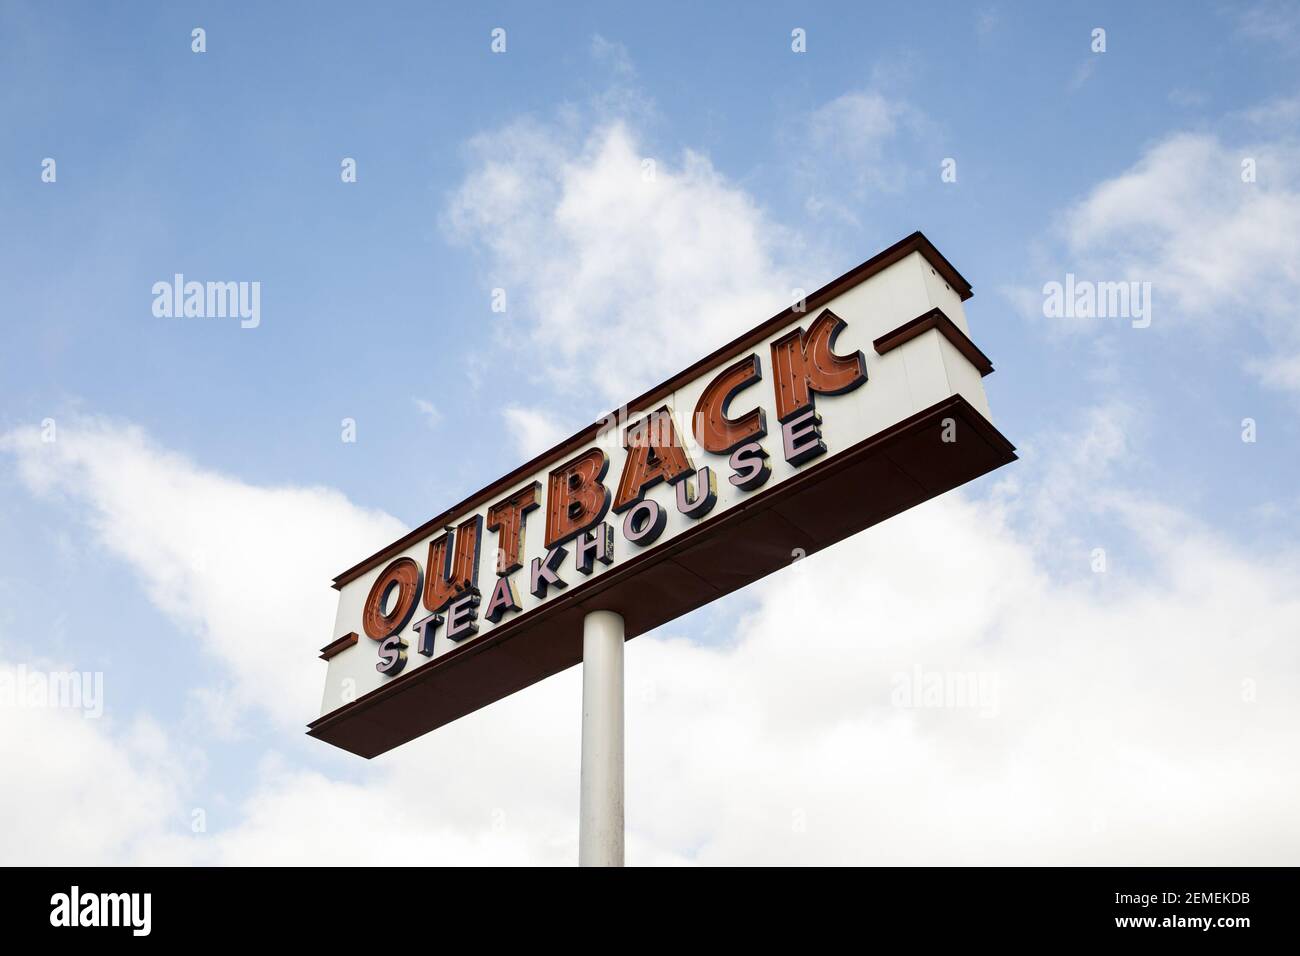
(225, 165)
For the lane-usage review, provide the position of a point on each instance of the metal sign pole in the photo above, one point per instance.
(600, 815)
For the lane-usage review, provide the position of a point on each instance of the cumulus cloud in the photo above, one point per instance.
(1222, 252)
(533, 431)
(1123, 718)
(1140, 715)
(623, 265)
(79, 790)
(242, 568)
(854, 147)
(623, 262)
(1183, 218)
(1270, 21)
(1063, 468)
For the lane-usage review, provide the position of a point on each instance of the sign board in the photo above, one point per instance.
(855, 404)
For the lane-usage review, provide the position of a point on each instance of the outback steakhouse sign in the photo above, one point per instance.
(855, 404)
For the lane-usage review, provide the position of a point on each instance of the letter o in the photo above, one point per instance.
(403, 574)
(645, 522)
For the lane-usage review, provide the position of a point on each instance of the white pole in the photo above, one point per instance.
(600, 815)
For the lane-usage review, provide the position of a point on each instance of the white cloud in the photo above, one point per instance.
(623, 264)
(856, 125)
(1282, 371)
(244, 569)
(1083, 72)
(622, 272)
(613, 55)
(1271, 21)
(1222, 254)
(1062, 468)
(533, 431)
(1186, 98)
(430, 411)
(1142, 716)
(1183, 218)
(76, 792)
(853, 148)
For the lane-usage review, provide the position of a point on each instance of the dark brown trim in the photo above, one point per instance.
(916, 242)
(911, 447)
(935, 319)
(335, 647)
